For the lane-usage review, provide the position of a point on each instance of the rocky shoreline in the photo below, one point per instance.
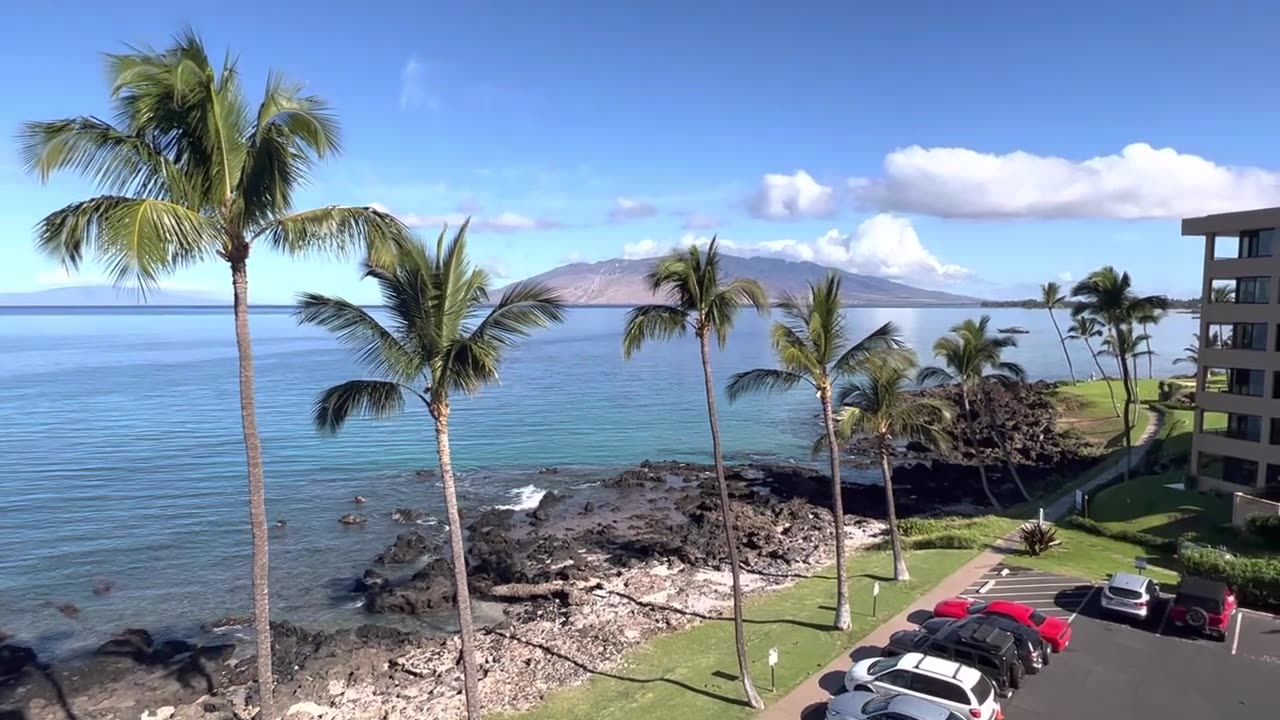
(578, 580)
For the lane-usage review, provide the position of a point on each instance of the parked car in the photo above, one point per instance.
(1033, 651)
(959, 688)
(1205, 606)
(1131, 595)
(1054, 630)
(985, 647)
(870, 706)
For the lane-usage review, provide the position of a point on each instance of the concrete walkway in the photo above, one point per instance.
(807, 700)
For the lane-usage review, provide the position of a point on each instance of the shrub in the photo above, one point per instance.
(1146, 540)
(918, 526)
(1037, 538)
(1266, 528)
(1256, 581)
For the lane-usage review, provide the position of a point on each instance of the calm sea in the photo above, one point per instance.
(121, 456)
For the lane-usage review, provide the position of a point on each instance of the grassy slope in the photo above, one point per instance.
(1091, 557)
(690, 675)
(1095, 418)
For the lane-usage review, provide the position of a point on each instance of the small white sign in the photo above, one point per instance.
(773, 656)
(875, 588)
(1140, 563)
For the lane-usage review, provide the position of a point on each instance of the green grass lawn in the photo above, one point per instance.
(1092, 557)
(1093, 415)
(692, 674)
(1147, 504)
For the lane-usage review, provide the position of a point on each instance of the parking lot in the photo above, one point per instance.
(1122, 669)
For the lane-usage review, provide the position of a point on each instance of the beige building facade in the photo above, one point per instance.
(1239, 344)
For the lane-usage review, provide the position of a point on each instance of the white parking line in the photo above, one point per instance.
(1086, 602)
(1051, 593)
(1235, 641)
(1007, 584)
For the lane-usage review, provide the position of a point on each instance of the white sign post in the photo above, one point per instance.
(1141, 564)
(773, 661)
(875, 597)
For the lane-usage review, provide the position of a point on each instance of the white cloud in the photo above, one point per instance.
(1064, 276)
(413, 85)
(698, 221)
(625, 209)
(790, 197)
(883, 245)
(1139, 182)
(504, 222)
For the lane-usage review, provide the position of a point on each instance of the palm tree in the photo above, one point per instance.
(812, 346)
(1222, 294)
(1126, 342)
(1051, 296)
(1083, 328)
(1192, 351)
(971, 356)
(441, 340)
(698, 300)
(880, 403)
(191, 172)
(1146, 319)
(1107, 295)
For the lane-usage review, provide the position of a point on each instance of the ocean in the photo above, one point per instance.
(121, 458)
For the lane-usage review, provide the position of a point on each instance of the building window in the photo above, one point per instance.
(1245, 382)
(1253, 290)
(1229, 469)
(1249, 336)
(1275, 431)
(1244, 427)
(1256, 243)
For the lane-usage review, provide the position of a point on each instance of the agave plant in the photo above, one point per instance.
(1037, 538)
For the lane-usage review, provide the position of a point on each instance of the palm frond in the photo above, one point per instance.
(1051, 295)
(466, 365)
(376, 347)
(881, 342)
(358, 398)
(138, 240)
(648, 323)
(524, 307)
(340, 231)
(933, 375)
(762, 381)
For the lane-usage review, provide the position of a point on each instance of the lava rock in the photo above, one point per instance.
(134, 643)
(408, 546)
(351, 519)
(549, 500)
(14, 659)
(407, 515)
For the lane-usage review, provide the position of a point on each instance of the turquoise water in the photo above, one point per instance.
(121, 457)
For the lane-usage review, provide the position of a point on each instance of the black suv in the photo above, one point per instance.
(1033, 651)
(983, 646)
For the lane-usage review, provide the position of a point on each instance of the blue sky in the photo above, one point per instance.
(980, 147)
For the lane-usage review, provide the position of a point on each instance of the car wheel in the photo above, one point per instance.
(1017, 674)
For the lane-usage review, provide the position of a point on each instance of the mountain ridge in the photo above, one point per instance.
(621, 282)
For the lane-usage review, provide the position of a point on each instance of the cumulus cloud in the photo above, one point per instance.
(504, 222)
(698, 221)
(884, 245)
(791, 197)
(626, 209)
(1139, 182)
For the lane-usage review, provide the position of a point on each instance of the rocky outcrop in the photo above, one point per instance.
(408, 546)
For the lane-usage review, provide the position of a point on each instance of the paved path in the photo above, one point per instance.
(811, 694)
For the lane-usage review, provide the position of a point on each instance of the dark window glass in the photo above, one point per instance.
(1244, 427)
(1253, 290)
(897, 678)
(1256, 243)
(982, 689)
(1037, 618)
(1249, 336)
(1242, 381)
(938, 688)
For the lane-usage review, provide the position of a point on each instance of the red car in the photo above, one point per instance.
(1205, 606)
(1055, 631)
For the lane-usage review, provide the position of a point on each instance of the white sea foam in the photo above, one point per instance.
(526, 498)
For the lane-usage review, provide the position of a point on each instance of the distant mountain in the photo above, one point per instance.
(621, 282)
(92, 295)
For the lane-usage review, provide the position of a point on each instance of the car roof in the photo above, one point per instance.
(1199, 587)
(918, 707)
(941, 667)
(851, 702)
(1128, 581)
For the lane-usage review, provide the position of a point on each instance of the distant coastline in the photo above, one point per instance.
(627, 306)
(1033, 304)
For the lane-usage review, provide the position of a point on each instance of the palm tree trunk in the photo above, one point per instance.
(731, 542)
(257, 489)
(1150, 371)
(1063, 342)
(843, 619)
(458, 557)
(1110, 390)
(977, 452)
(997, 431)
(1128, 420)
(895, 540)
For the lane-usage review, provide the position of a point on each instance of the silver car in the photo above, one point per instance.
(1130, 595)
(870, 706)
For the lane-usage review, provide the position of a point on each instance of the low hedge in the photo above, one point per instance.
(1256, 581)
(1266, 528)
(1146, 540)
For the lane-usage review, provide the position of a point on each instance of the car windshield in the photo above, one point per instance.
(1125, 593)
(976, 608)
(1037, 618)
(875, 705)
(883, 664)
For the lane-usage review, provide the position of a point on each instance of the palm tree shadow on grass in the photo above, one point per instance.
(623, 678)
(720, 618)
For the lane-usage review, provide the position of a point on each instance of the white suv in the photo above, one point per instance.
(1129, 594)
(956, 687)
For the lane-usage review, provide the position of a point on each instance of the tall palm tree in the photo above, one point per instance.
(880, 403)
(1107, 295)
(1146, 319)
(442, 339)
(189, 172)
(1191, 352)
(1084, 328)
(1052, 297)
(1127, 342)
(813, 347)
(971, 356)
(700, 300)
